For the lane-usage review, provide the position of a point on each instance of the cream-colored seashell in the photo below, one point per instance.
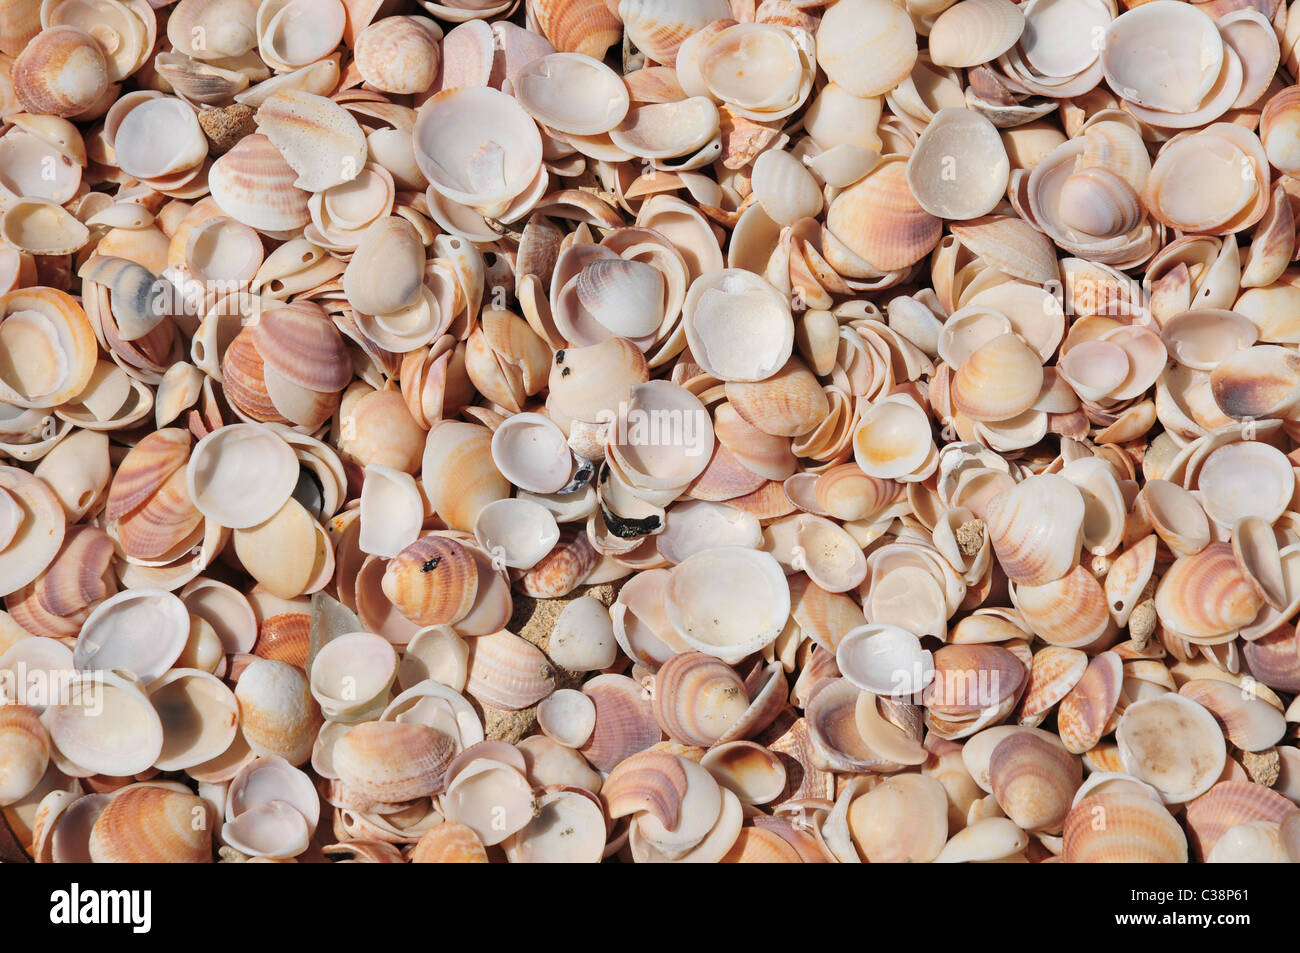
(728, 602)
(658, 27)
(583, 637)
(241, 475)
(572, 93)
(867, 47)
(1184, 43)
(959, 167)
(277, 713)
(532, 453)
(517, 532)
(567, 716)
(975, 31)
(104, 725)
(1173, 744)
(392, 511)
(399, 54)
(351, 674)
(903, 819)
(140, 631)
(717, 304)
(1249, 722)
(884, 660)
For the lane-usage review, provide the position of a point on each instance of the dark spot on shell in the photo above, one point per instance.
(566, 372)
(431, 564)
(559, 356)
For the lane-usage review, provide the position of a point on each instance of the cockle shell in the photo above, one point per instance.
(148, 824)
(388, 761)
(1173, 744)
(1132, 829)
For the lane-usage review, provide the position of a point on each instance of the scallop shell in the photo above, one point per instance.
(1206, 595)
(863, 32)
(1033, 548)
(975, 31)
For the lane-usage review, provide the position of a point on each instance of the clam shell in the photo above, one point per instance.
(1173, 744)
(1086, 710)
(904, 819)
(1032, 547)
(1227, 804)
(880, 220)
(1206, 595)
(508, 672)
(589, 27)
(148, 824)
(698, 699)
(458, 475)
(105, 725)
(884, 659)
(1184, 42)
(1034, 781)
(62, 71)
(399, 54)
(728, 602)
(253, 184)
(713, 306)
(975, 31)
(625, 721)
(1132, 829)
(491, 798)
(25, 745)
(867, 47)
(953, 188)
(277, 713)
(389, 762)
(140, 631)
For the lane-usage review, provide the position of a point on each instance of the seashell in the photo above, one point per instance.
(970, 188)
(1206, 595)
(698, 699)
(1184, 41)
(748, 770)
(1227, 804)
(569, 828)
(241, 475)
(1033, 780)
(785, 188)
(35, 527)
(572, 93)
(463, 167)
(975, 31)
(582, 639)
(392, 511)
(713, 305)
(1173, 744)
(790, 403)
(1070, 611)
(458, 476)
(318, 138)
(884, 660)
(104, 725)
(658, 27)
(912, 805)
(143, 823)
(589, 27)
(1136, 830)
(567, 716)
(399, 54)
(140, 631)
(999, 381)
(1032, 549)
(351, 674)
(61, 72)
(866, 32)
(1249, 723)
(199, 715)
(434, 581)
(277, 714)
(880, 220)
(1054, 672)
(448, 843)
(488, 791)
(893, 441)
(26, 747)
(1086, 710)
(727, 602)
(1272, 483)
(389, 762)
(625, 721)
(253, 184)
(508, 672)
(532, 453)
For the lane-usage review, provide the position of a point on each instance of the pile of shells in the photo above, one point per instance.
(649, 431)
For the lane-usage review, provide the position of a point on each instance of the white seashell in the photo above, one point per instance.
(884, 660)
(728, 602)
